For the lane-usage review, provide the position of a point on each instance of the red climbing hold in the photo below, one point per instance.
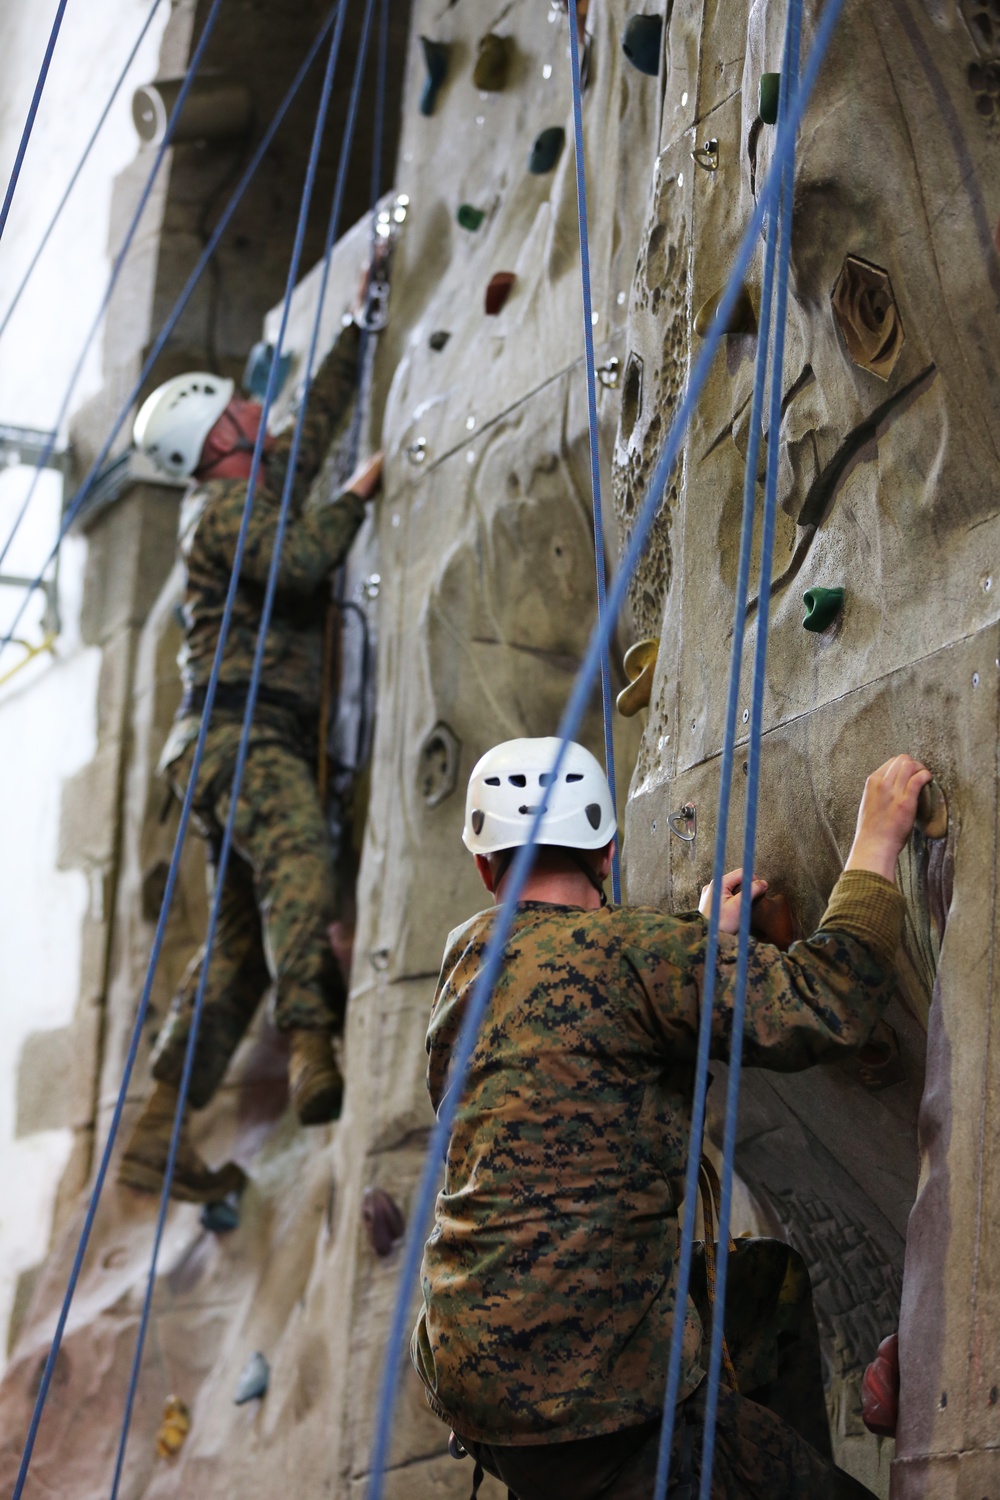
(880, 1389)
(498, 291)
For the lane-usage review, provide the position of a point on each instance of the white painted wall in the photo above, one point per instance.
(48, 711)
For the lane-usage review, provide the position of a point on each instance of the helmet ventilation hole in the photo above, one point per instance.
(478, 819)
(574, 776)
(518, 779)
(493, 781)
(594, 814)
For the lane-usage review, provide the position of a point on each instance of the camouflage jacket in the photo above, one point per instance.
(549, 1276)
(316, 540)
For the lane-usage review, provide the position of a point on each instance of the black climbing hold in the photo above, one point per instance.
(822, 607)
(439, 338)
(768, 96)
(436, 59)
(545, 152)
(493, 63)
(641, 41)
(470, 217)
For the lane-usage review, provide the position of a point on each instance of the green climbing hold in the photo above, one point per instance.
(545, 151)
(742, 318)
(439, 338)
(767, 100)
(641, 41)
(436, 59)
(470, 217)
(822, 608)
(493, 63)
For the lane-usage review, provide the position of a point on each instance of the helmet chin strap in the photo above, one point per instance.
(243, 444)
(579, 859)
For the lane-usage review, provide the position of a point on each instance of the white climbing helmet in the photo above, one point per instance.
(175, 420)
(510, 780)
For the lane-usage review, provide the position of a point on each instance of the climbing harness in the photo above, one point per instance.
(57, 214)
(185, 817)
(80, 498)
(595, 457)
(50, 47)
(119, 261)
(568, 728)
(265, 619)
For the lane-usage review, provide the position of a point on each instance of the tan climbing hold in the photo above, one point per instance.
(639, 664)
(865, 308)
(932, 811)
(742, 318)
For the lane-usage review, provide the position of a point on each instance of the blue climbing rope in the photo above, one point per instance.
(172, 873)
(568, 728)
(266, 612)
(79, 168)
(82, 493)
(50, 47)
(185, 88)
(789, 81)
(595, 456)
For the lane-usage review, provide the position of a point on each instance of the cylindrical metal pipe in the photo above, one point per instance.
(216, 107)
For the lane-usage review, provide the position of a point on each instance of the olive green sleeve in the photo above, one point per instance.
(868, 907)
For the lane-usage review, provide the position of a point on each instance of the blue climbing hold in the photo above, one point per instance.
(254, 1380)
(221, 1217)
(258, 369)
(641, 41)
(436, 59)
(545, 152)
(822, 608)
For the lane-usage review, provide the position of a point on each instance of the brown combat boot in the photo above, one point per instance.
(315, 1085)
(144, 1161)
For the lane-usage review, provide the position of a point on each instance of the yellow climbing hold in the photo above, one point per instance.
(174, 1428)
(639, 664)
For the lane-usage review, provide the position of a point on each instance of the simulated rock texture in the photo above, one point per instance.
(477, 584)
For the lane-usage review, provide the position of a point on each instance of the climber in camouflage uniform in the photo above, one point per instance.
(549, 1279)
(280, 895)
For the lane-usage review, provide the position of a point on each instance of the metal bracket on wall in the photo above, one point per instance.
(28, 446)
(684, 823)
(51, 622)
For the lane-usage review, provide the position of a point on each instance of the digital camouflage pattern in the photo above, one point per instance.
(549, 1279)
(280, 894)
(756, 1457)
(278, 901)
(316, 541)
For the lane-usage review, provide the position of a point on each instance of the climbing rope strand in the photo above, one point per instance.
(258, 663)
(119, 261)
(594, 431)
(169, 888)
(784, 236)
(80, 498)
(568, 728)
(50, 47)
(722, 831)
(79, 168)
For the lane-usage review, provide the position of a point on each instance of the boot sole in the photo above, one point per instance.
(321, 1107)
(145, 1178)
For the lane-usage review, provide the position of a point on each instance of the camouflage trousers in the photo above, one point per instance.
(277, 903)
(757, 1457)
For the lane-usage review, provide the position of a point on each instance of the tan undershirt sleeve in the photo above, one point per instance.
(868, 907)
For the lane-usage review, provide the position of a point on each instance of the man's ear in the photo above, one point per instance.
(485, 873)
(605, 860)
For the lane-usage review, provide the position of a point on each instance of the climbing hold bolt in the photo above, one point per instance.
(174, 1428)
(707, 155)
(639, 664)
(684, 823)
(498, 291)
(932, 811)
(742, 318)
(253, 1382)
(866, 312)
(439, 338)
(822, 608)
(221, 1217)
(608, 374)
(545, 151)
(768, 95)
(470, 217)
(493, 63)
(641, 41)
(383, 1220)
(436, 60)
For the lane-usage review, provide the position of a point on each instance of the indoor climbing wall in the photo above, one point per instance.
(887, 491)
